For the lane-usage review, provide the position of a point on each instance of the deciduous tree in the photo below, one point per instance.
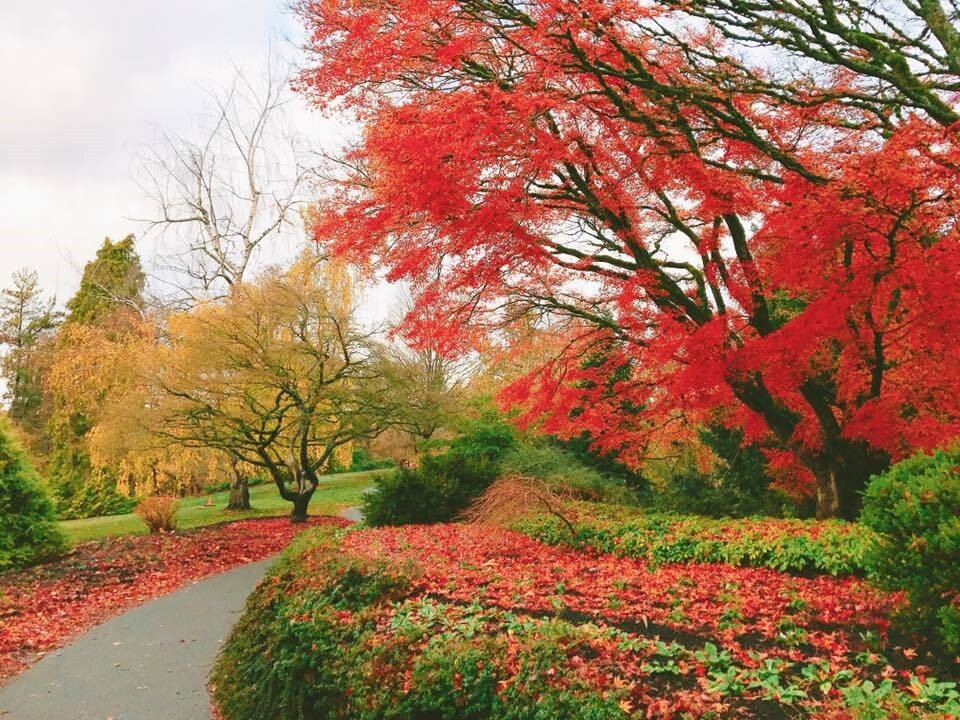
(754, 239)
(276, 375)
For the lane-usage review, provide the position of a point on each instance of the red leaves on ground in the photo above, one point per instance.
(513, 571)
(690, 639)
(45, 607)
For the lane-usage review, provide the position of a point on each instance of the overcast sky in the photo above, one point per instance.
(85, 87)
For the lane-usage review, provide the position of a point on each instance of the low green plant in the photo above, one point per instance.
(562, 469)
(914, 508)
(360, 461)
(788, 545)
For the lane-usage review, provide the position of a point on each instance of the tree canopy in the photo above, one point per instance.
(751, 209)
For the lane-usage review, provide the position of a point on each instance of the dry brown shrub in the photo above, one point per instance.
(513, 497)
(159, 512)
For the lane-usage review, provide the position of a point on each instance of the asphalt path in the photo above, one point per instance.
(150, 663)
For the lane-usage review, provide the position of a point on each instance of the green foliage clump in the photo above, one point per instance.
(914, 507)
(609, 466)
(737, 486)
(444, 484)
(565, 470)
(81, 491)
(796, 546)
(28, 533)
(360, 461)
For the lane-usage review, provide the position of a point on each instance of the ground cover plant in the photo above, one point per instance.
(460, 621)
(44, 607)
(789, 545)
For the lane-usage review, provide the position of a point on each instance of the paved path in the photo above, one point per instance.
(151, 663)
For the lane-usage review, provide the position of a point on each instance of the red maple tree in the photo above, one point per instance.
(762, 238)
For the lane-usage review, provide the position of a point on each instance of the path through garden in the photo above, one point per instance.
(150, 663)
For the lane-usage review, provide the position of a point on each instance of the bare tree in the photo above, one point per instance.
(221, 197)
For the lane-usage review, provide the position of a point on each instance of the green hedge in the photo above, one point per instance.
(915, 509)
(796, 546)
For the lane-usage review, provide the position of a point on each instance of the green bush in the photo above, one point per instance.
(82, 491)
(444, 484)
(915, 509)
(361, 461)
(788, 545)
(561, 468)
(28, 533)
(737, 486)
(582, 448)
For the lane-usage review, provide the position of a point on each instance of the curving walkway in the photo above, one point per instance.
(150, 663)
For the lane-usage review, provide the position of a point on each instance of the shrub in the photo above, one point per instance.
(444, 484)
(28, 532)
(440, 488)
(360, 461)
(833, 547)
(581, 448)
(915, 509)
(82, 491)
(737, 485)
(566, 472)
(159, 512)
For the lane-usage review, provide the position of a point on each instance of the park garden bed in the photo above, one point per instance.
(44, 607)
(804, 547)
(460, 621)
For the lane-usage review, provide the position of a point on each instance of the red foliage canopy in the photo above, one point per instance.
(776, 253)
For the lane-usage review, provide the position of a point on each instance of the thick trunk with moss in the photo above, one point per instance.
(842, 473)
(239, 494)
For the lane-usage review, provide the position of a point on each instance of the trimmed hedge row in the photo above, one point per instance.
(793, 546)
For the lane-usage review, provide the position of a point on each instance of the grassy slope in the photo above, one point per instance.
(335, 493)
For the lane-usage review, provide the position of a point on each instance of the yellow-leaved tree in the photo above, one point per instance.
(277, 375)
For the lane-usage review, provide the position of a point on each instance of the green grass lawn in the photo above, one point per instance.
(335, 493)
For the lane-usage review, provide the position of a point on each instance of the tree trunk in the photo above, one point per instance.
(828, 493)
(239, 493)
(300, 502)
(842, 473)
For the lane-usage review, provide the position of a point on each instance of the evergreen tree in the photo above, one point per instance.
(111, 290)
(25, 318)
(28, 533)
(113, 280)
